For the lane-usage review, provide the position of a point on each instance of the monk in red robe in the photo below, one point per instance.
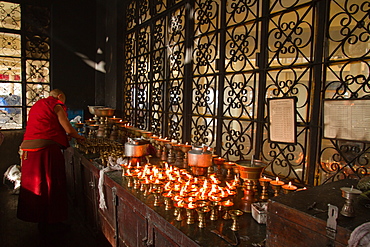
(43, 192)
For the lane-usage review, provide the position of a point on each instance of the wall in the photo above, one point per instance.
(74, 52)
(9, 148)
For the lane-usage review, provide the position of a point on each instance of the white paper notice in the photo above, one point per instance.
(347, 119)
(282, 120)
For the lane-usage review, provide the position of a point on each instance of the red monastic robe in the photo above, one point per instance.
(43, 192)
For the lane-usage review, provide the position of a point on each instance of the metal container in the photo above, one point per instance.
(250, 171)
(92, 108)
(136, 147)
(104, 112)
(200, 156)
(259, 212)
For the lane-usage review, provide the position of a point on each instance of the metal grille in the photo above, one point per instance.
(201, 71)
(24, 60)
(290, 56)
(347, 77)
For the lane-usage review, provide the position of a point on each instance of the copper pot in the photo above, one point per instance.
(104, 112)
(249, 171)
(136, 148)
(200, 157)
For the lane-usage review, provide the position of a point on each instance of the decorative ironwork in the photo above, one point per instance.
(280, 5)
(37, 47)
(143, 7)
(239, 12)
(343, 159)
(130, 15)
(203, 130)
(349, 33)
(239, 96)
(233, 68)
(159, 6)
(10, 44)
(37, 71)
(241, 47)
(176, 62)
(129, 102)
(347, 77)
(290, 56)
(34, 92)
(10, 69)
(10, 15)
(290, 38)
(35, 37)
(12, 120)
(142, 106)
(237, 139)
(157, 92)
(10, 102)
(287, 161)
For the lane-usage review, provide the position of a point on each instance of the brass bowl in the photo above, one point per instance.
(79, 125)
(104, 112)
(93, 127)
(93, 107)
(90, 122)
(229, 165)
(249, 172)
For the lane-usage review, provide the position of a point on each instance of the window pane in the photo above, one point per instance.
(10, 15)
(10, 44)
(10, 94)
(10, 69)
(10, 100)
(36, 92)
(11, 118)
(37, 71)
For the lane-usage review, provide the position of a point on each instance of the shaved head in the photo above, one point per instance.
(58, 94)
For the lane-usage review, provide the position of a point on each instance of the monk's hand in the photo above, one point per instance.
(80, 139)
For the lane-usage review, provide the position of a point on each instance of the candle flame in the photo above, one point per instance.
(223, 193)
(192, 205)
(213, 178)
(177, 198)
(167, 186)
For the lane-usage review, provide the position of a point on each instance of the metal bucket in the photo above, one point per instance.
(136, 148)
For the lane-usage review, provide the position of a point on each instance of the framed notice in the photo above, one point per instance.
(282, 120)
(347, 119)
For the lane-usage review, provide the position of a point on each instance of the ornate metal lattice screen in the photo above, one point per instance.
(24, 55)
(347, 67)
(289, 69)
(203, 70)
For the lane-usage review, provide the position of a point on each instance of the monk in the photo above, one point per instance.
(43, 192)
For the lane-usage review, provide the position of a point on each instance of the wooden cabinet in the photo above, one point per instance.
(130, 219)
(299, 218)
(89, 185)
(133, 226)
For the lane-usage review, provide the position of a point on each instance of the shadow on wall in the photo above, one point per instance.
(9, 148)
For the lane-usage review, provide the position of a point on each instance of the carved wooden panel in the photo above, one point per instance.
(132, 225)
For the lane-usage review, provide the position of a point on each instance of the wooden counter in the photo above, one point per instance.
(131, 219)
(292, 221)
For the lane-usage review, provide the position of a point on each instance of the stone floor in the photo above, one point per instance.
(17, 233)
